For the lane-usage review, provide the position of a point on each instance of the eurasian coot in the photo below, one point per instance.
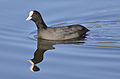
(56, 33)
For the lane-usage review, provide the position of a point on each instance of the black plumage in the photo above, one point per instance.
(56, 33)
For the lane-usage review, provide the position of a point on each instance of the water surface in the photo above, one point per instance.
(95, 57)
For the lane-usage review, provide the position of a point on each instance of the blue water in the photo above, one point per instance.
(97, 58)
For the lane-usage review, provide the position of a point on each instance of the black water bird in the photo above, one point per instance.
(56, 33)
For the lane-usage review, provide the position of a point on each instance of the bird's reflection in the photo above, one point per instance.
(42, 46)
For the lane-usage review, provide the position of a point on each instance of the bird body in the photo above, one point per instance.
(62, 33)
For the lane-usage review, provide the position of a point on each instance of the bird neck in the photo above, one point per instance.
(40, 24)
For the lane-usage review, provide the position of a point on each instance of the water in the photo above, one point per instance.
(96, 57)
